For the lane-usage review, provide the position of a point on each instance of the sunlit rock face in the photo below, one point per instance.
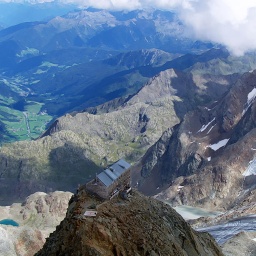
(138, 226)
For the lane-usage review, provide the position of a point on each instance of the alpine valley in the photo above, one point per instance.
(83, 88)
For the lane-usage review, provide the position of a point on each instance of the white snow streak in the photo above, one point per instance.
(209, 159)
(250, 98)
(218, 145)
(251, 95)
(251, 170)
(204, 127)
(210, 129)
(179, 188)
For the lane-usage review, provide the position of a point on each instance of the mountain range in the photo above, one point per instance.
(52, 66)
(81, 143)
(209, 158)
(87, 88)
(40, 74)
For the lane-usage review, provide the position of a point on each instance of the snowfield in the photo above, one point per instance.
(218, 145)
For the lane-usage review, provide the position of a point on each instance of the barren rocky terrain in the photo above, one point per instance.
(79, 144)
(138, 226)
(37, 217)
(208, 159)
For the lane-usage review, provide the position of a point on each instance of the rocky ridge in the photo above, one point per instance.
(138, 226)
(78, 145)
(153, 57)
(92, 28)
(203, 160)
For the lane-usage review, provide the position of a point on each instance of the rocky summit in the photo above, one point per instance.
(138, 225)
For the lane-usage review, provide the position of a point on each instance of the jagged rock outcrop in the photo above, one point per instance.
(138, 226)
(37, 217)
(154, 57)
(206, 156)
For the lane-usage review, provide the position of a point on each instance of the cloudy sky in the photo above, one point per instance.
(229, 22)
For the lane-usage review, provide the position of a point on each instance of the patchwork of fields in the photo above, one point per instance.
(25, 124)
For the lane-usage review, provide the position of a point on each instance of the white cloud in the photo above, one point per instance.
(229, 22)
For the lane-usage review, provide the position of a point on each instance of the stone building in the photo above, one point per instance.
(115, 178)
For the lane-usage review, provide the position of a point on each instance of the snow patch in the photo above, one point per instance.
(251, 95)
(211, 129)
(209, 159)
(179, 188)
(254, 239)
(204, 127)
(250, 98)
(218, 145)
(253, 148)
(251, 169)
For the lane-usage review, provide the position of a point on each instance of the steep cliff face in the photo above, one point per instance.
(206, 158)
(138, 226)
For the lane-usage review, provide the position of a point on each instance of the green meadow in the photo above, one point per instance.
(22, 125)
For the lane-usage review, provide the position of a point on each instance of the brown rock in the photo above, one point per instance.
(140, 226)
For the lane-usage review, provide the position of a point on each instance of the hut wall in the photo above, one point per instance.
(98, 188)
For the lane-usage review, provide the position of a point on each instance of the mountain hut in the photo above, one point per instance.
(115, 178)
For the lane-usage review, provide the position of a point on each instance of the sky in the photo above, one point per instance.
(228, 22)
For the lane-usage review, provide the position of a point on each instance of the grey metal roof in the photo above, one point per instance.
(103, 177)
(111, 174)
(108, 176)
(123, 163)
